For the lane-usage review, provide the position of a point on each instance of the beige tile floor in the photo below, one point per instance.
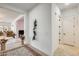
(65, 50)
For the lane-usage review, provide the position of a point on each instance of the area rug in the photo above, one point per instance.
(22, 51)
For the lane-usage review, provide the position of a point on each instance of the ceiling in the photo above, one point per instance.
(10, 11)
(62, 6)
(7, 15)
(22, 6)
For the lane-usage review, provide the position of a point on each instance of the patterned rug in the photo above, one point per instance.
(22, 51)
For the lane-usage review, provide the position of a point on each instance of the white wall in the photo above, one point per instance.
(26, 28)
(71, 18)
(6, 24)
(13, 27)
(55, 26)
(42, 13)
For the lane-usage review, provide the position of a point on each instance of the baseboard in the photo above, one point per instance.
(37, 50)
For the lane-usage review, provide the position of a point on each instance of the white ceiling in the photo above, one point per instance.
(22, 6)
(7, 15)
(62, 6)
(10, 11)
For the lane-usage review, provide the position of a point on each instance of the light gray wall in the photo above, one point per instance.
(26, 28)
(55, 13)
(71, 26)
(42, 13)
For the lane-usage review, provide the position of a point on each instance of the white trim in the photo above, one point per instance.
(37, 50)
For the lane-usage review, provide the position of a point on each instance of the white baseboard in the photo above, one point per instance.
(37, 50)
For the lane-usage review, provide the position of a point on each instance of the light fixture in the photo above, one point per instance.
(67, 4)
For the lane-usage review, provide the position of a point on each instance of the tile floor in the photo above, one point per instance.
(65, 50)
